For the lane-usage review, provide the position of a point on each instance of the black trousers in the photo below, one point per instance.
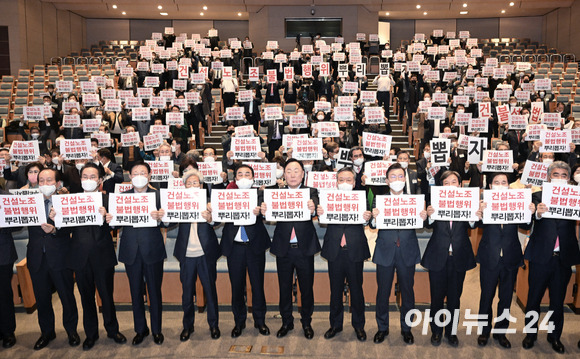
(504, 278)
(42, 283)
(229, 99)
(555, 277)
(384, 99)
(446, 283)
(304, 267)
(340, 270)
(87, 279)
(153, 275)
(273, 146)
(7, 316)
(242, 259)
(406, 280)
(190, 269)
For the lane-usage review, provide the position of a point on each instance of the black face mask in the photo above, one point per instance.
(342, 128)
(230, 132)
(414, 82)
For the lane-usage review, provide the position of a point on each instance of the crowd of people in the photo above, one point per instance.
(413, 79)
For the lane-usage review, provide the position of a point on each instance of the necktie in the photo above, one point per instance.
(47, 208)
(293, 238)
(243, 234)
(252, 106)
(557, 246)
(343, 241)
(272, 90)
(277, 130)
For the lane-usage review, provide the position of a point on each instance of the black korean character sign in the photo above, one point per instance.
(475, 149)
(440, 152)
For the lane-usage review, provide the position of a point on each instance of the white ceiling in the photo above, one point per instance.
(229, 9)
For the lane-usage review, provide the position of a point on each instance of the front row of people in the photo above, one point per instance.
(54, 254)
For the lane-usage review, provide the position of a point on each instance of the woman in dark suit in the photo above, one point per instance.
(448, 256)
(499, 255)
(197, 250)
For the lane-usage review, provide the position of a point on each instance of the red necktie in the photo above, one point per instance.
(343, 241)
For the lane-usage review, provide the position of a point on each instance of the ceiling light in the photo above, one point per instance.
(503, 11)
(124, 13)
(425, 13)
(418, 6)
(163, 14)
(512, 3)
(387, 13)
(464, 4)
(204, 7)
(201, 13)
(160, 7)
(239, 14)
(114, 6)
(463, 12)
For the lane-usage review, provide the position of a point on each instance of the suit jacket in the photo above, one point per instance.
(136, 155)
(272, 128)
(308, 242)
(356, 241)
(55, 246)
(253, 117)
(496, 240)
(148, 241)
(72, 179)
(207, 238)
(92, 241)
(543, 239)
(413, 183)
(437, 250)
(109, 185)
(272, 97)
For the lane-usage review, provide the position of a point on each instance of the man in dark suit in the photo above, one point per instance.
(272, 93)
(113, 171)
(357, 157)
(92, 258)
(294, 244)
(275, 133)
(8, 256)
(552, 251)
(395, 249)
(197, 250)
(448, 256)
(131, 154)
(411, 183)
(71, 177)
(252, 111)
(346, 248)
(46, 260)
(245, 248)
(142, 250)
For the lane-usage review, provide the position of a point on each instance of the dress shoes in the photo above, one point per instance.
(8, 341)
(215, 332)
(361, 335)
(308, 332)
(436, 339)
(380, 336)
(408, 337)
(502, 340)
(453, 340)
(284, 330)
(237, 331)
(556, 345)
(330, 333)
(482, 340)
(118, 338)
(43, 341)
(89, 343)
(140, 336)
(74, 339)
(262, 329)
(185, 334)
(528, 342)
(158, 338)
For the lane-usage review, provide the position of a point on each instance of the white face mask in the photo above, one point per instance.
(164, 158)
(460, 111)
(358, 162)
(139, 181)
(404, 164)
(279, 173)
(47, 104)
(79, 166)
(98, 117)
(172, 148)
(547, 161)
(209, 159)
(499, 187)
(55, 160)
(559, 181)
(460, 92)
(244, 183)
(427, 155)
(345, 186)
(89, 185)
(307, 168)
(35, 136)
(47, 191)
(397, 186)
(320, 117)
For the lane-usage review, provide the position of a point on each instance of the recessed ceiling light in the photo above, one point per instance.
(204, 7)
(387, 13)
(239, 14)
(114, 6)
(163, 14)
(124, 13)
(503, 11)
(201, 13)
(160, 7)
(512, 3)
(425, 13)
(464, 4)
(463, 12)
(418, 6)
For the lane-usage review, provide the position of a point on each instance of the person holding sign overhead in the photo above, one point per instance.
(396, 249)
(294, 244)
(142, 250)
(346, 248)
(551, 251)
(499, 255)
(92, 258)
(198, 250)
(448, 256)
(245, 248)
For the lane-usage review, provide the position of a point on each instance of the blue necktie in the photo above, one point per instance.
(243, 234)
